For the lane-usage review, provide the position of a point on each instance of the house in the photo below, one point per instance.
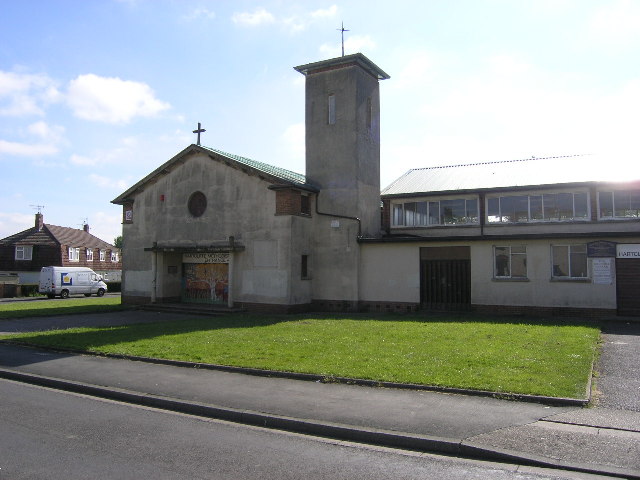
(515, 237)
(23, 254)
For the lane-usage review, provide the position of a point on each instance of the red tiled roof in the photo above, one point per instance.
(71, 237)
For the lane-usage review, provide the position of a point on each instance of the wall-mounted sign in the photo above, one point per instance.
(601, 248)
(602, 270)
(629, 250)
(205, 258)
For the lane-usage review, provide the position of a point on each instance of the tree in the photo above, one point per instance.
(117, 242)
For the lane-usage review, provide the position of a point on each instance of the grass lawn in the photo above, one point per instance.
(514, 356)
(56, 306)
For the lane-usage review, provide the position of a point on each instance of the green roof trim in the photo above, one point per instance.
(278, 172)
(280, 176)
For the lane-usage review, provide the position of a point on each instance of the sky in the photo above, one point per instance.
(95, 94)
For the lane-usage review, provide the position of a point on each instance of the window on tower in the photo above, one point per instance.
(332, 109)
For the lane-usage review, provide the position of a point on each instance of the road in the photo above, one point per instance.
(48, 434)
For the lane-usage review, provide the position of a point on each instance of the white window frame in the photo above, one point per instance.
(74, 254)
(399, 212)
(89, 253)
(613, 215)
(102, 255)
(499, 219)
(569, 275)
(24, 252)
(114, 257)
(510, 256)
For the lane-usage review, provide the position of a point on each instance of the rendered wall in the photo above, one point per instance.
(238, 205)
(390, 272)
(343, 159)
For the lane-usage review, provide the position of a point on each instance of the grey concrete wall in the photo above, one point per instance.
(336, 259)
(238, 205)
(390, 273)
(344, 158)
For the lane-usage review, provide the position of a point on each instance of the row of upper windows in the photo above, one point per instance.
(549, 207)
(74, 255)
(567, 262)
(25, 252)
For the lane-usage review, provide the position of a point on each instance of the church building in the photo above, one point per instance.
(512, 237)
(212, 227)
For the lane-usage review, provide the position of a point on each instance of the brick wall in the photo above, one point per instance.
(288, 202)
(42, 256)
(94, 264)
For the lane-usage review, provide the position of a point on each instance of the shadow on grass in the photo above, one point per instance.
(67, 310)
(99, 337)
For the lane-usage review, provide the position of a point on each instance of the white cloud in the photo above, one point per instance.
(82, 161)
(24, 94)
(12, 223)
(260, 16)
(413, 73)
(112, 100)
(294, 24)
(27, 150)
(50, 138)
(617, 22)
(200, 13)
(509, 109)
(108, 182)
(325, 13)
(106, 226)
(53, 134)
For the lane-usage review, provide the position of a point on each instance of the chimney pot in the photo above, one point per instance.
(86, 227)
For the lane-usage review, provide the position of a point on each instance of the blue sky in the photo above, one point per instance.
(96, 94)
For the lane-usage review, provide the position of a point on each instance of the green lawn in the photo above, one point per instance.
(514, 356)
(56, 306)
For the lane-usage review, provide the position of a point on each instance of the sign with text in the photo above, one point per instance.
(602, 269)
(629, 250)
(601, 248)
(205, 258)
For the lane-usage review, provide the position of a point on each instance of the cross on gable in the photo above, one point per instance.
(199, 131)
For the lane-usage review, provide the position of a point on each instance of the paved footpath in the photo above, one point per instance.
(603, 440)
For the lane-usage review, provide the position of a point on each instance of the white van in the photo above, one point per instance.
(65, 281)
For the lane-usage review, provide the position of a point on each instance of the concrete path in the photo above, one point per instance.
(604, 440)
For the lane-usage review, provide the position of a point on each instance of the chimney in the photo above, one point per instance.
(85, 227)
(39, 221)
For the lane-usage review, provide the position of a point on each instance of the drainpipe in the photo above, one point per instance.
(154, 272)
(339, 216)
(230, 274)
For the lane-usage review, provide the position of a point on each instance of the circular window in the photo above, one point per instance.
(197, 204)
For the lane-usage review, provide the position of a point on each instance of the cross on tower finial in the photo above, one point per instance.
(199, 131)
(342, 30)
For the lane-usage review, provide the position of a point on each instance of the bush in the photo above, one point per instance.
(29, 291)
(114, 287)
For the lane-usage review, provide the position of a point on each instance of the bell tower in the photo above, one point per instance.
(342, 134)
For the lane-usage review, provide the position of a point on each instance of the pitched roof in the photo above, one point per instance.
(275, 174)
(530, 172)
(77, 238)
(71, 237)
